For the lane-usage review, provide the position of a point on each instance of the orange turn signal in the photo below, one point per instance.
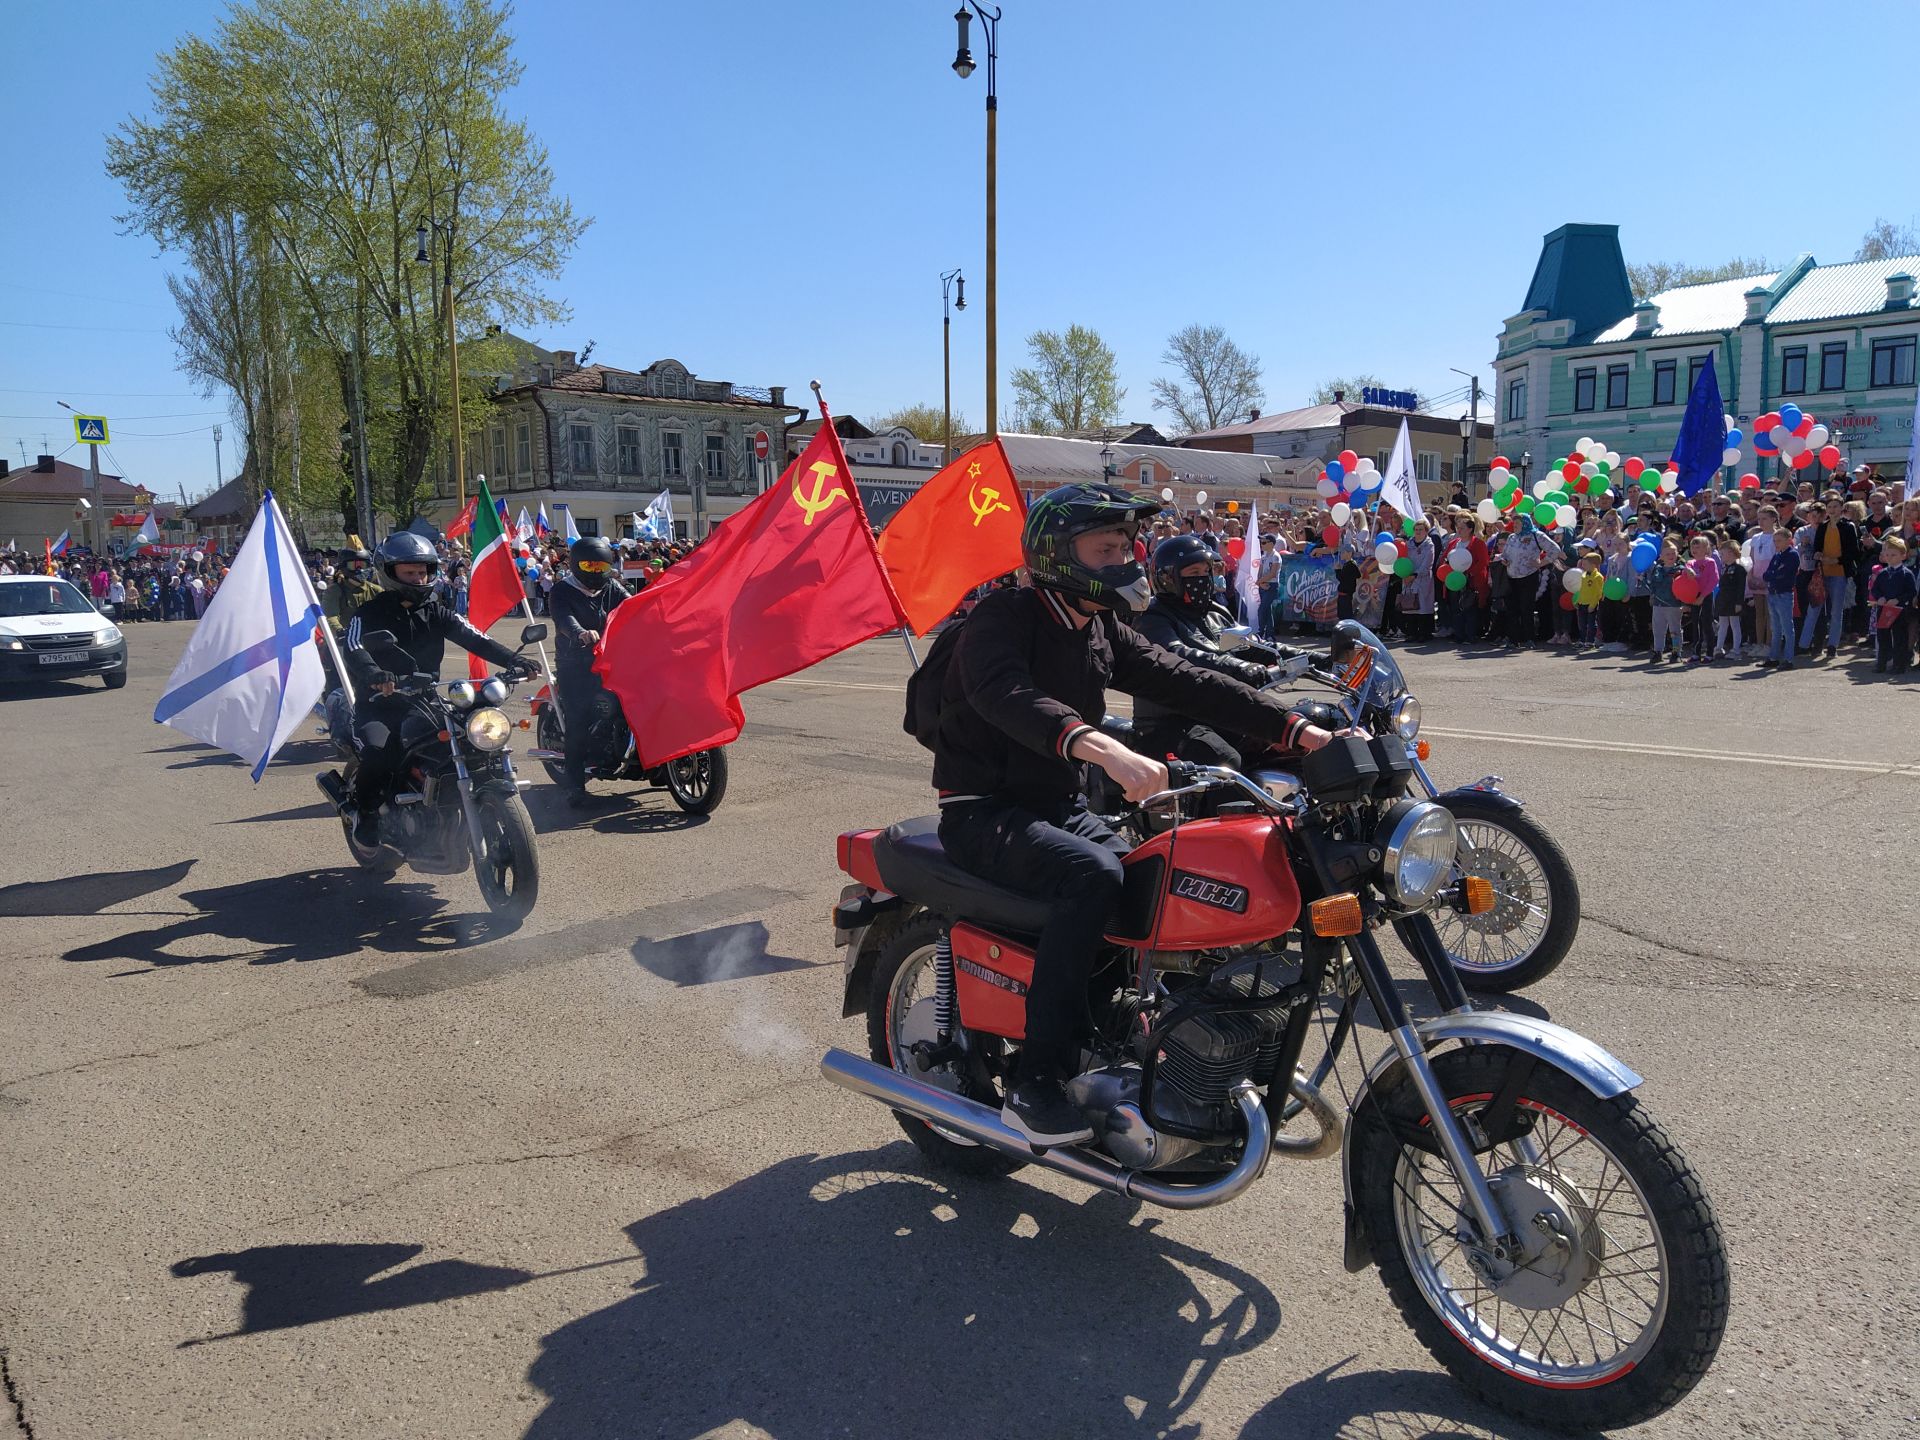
(1337, 915)
(1479, 892)
(1423, 750)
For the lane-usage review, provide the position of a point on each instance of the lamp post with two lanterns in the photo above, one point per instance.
(963, 67)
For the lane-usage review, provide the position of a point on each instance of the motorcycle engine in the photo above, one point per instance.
(1222, 1040)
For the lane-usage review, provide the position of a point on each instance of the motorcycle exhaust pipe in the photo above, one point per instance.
(331, 786)
(1311, 1147)
(979, 1123)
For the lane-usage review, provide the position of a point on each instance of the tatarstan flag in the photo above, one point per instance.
(493, 587)
(786, 582)
(960, 530)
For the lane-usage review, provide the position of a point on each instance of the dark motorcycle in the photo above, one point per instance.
(697, 782)
(1543, 1237)
(456, 801)
(1537, 896)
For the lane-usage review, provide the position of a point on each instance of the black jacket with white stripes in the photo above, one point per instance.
(421, 628)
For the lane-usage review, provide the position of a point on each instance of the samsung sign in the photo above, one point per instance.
(1391, 399)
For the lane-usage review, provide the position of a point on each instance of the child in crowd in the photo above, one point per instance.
(1727, 602)
(1892, 592)
(1615, 620)
(1587, 598)
(1705, 571)
(1566, 618)
(1666, 605)
(1783, 579)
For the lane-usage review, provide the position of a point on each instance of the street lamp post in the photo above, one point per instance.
(1468, 424)
(948, 281)
(963, 67)
(453, 345)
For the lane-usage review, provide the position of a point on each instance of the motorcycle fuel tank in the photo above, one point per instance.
(1208, 884)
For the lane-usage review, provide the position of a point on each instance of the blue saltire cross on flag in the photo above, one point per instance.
(252, 669)
(1700, 448)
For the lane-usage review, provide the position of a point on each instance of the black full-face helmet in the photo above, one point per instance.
(590, 558)
(403, 547)
(1175, 554)
(1061, 516)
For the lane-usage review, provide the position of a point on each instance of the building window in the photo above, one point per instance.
(1833, 365)
(1426, 466)
(587, 525)
(1664, 374)
(1616, 387)
(1146, 472)
(499, 454)
(1893, 362)
(1583, 383)
(670, 455)
(1517, 398)
(1380, 461)
(580, 446)
(629, 447)
(716, 457)
(523, 443)
(1793, 370)
(1694, 367)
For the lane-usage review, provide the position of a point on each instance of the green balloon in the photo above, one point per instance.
(1649, 479)
(1615, 589)
(1456, 580)
(1403, 567)
(1406, 527)
(1603, 467)
(1504, 497)
(1527, 502)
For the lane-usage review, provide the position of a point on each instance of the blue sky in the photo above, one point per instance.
(776, 187)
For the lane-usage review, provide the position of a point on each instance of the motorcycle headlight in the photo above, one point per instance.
(460, 694)
(1419, 840)
(1405, 716)
(489, 729)
(494, 692)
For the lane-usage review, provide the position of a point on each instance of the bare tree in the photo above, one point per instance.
(923, 422)
(1222, 381)
(1652, 276)
(1886, 240)
(1073, 383)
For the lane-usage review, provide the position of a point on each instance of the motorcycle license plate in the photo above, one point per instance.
(62, 657)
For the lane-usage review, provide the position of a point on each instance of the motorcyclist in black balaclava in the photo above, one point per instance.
(581, 603)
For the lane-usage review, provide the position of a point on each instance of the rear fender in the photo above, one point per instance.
(864, 921)
(1565, 1050)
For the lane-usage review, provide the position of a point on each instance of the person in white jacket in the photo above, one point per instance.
(1756, 552)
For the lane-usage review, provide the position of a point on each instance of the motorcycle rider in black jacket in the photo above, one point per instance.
(1185, 619)
(385, 723)
(580, 604)
(1022, 695)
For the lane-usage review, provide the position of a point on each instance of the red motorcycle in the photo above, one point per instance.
(1533, 1224)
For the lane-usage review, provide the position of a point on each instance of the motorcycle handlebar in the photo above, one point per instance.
(1187, 778)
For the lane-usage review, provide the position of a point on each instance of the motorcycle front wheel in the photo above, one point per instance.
(508, 869)
(698, 782)
(1536, 899)
(1619, 1303)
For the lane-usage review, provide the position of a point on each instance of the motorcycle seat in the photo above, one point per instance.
(912, 863)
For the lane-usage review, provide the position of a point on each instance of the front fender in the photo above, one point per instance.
(1483, 793)
(1566, 1050)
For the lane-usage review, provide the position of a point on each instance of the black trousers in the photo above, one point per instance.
(387, 726)
(1068, 856)
(582, 698)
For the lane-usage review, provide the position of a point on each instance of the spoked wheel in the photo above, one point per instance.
(900, 1014)
(1536, 899)
(698, 781)
(1612, 1305)
(547, 736)
(509, 869)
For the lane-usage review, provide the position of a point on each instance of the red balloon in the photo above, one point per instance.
(1330, 536)
(1236, 547)
(1580, 485)
(1830, 456)
(1571, 469)
(1805, 427)
(1500, 462)
(1767, 421)
(1803, 460)
(1401, 546)
(1349, 461)
(1441, 571)
(1566, 599)
(1513, 499)
(1633, 466)
(1749, 481)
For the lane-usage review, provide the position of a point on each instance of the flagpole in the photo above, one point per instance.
(326, 629)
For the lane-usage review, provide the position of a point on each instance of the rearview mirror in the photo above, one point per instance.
(1233, 637)
(533, 634)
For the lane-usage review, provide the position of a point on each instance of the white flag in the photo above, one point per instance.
(1401, 488)
(523, 532)
(252, 670)
(1246, 579)
(566, 514)
(658, 523)
(149, 533)
(1913, 452)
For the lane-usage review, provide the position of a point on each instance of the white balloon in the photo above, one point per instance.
(1730, 456)
(1669, 482)
(1498, 476)
(1487, 511)
(1167, 494)
(1385, 553)
(1543, 488)
(1793, 445)
(1367, 465)
(1589, 468)
(1613, 459)
(1586, 444)
(1779, 434)
(1818, 436)
(1340, 513)
(1200, 498)
(1571, 578)
(1731, 422)
(1327, 488)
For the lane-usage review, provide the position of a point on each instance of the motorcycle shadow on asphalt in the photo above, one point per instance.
(308, 915)
(859, 1295)
(611, 812)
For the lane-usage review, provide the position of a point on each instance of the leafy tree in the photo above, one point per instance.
(1350, 387)
(1886, 240)
(923, 422)
(1651, 277)
(1222, 381)
(1072, 384)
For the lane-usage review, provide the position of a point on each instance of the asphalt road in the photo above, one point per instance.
(291, 1151)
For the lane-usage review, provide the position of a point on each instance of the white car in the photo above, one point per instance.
(49, 630)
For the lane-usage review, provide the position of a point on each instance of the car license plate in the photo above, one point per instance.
(62, 657)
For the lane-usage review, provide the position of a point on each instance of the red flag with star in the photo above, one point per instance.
(786, 582)
(960, 530)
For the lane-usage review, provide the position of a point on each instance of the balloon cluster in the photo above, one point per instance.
(1452, 570)
(1348, 478)
(1795, 437)
(1644, 551)
(1391, 554)
(1587, 469)
(1731, 455)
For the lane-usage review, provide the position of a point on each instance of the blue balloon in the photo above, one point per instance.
(1642, 556)
(1790, 415)
(1733, 437)
(1336, 472)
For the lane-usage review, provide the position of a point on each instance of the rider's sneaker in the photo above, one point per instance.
(366, 828)
(1040, 1110)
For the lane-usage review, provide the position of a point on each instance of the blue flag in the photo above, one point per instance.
(1701, 445)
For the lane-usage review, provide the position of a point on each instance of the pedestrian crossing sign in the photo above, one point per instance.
(90, 429)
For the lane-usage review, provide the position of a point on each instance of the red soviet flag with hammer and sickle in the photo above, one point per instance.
(961, 529)
(786, 582)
